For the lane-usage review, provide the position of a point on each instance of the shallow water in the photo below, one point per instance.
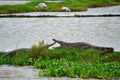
(18, 73)
(24, 32)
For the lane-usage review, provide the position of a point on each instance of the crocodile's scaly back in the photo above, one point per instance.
(82, 45)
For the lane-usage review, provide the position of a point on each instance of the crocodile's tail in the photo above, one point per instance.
(13, 52)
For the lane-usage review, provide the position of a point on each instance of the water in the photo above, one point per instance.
(24, 32)
(18, 73)
(12, 2)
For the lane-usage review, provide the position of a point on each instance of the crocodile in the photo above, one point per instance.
(82, 45)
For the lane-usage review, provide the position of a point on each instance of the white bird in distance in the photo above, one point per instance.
(66, 9)
(41, 6)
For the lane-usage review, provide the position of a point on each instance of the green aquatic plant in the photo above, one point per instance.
(20, 59)
(58, 68)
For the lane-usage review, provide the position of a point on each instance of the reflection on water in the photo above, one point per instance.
(24, 32)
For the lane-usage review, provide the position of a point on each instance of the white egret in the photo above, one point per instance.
(41, 6)
(66, 9)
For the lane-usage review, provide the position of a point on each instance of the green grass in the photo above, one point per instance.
(68, 62)
(74, 5)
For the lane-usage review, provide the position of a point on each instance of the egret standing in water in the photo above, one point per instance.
(41, 6)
